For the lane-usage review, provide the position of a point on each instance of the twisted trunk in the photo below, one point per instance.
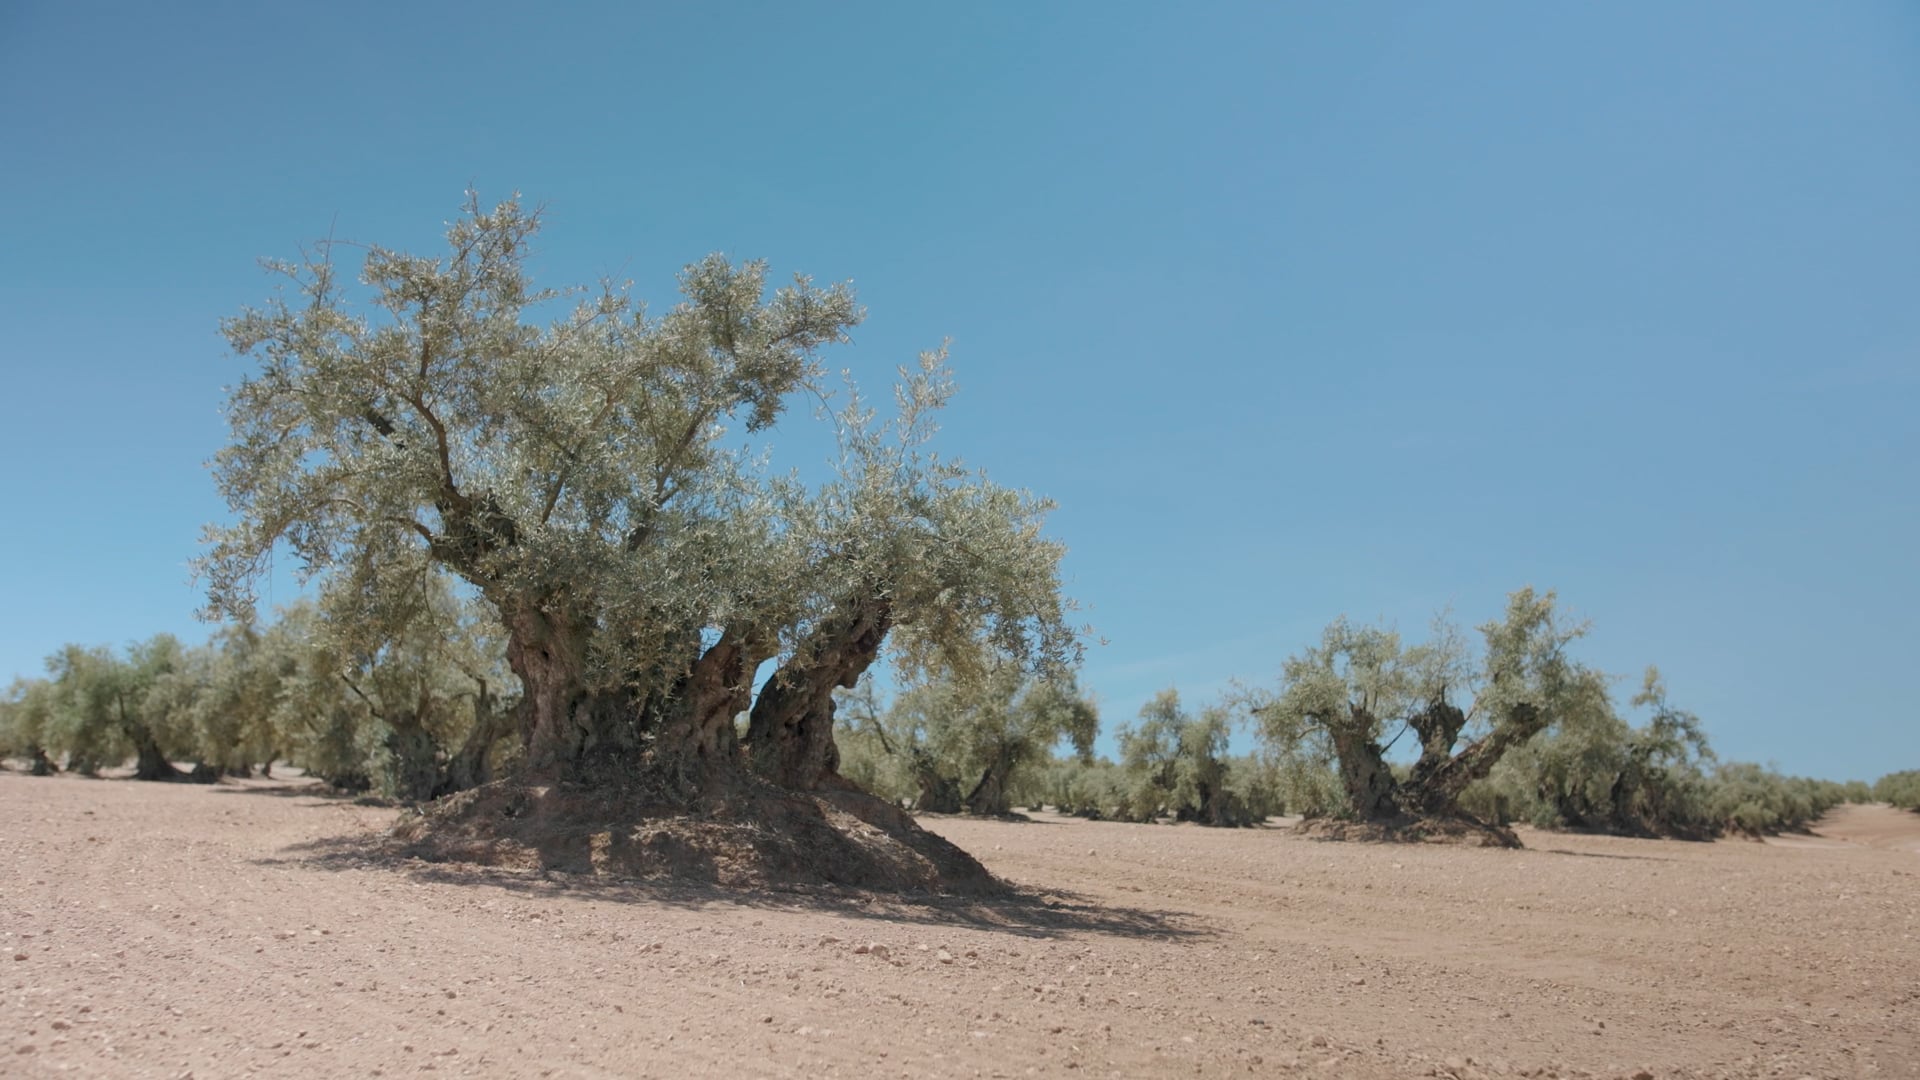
(1439, 726)
(567, 726)
(577, 732)
(471, 766)
(989, 797)
(151, 763)
(1438, 791)
(412, 767)
(790, 731)
(692, 737)
(1372, 792)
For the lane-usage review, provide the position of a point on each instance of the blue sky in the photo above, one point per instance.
(1297, 310)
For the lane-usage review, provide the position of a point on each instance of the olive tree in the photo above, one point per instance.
(1349, 698)
(1594, 770)
(422, 663)
(1900, 789)
(966, 741)
(26, 724)
(1176, 763)
(596, 473)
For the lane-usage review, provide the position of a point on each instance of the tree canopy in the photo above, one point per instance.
(1347, 699)
(599, 477)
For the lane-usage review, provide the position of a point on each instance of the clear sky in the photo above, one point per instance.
(1296, 309)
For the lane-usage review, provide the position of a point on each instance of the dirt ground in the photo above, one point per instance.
(156, 930)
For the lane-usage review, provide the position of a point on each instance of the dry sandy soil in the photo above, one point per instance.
(167, 930)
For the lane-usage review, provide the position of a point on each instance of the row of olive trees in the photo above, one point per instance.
(1174, 764)
(985, 746)
(1517, 729)
(414, 713)
(961, 740)
(156, 703)
(1901, 789)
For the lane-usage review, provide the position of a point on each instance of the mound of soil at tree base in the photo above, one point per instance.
(1461, 830)
(757, 835)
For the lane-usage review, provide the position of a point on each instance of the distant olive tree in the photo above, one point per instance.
(1175, 763)
(425, 665)
(1347, 699)
(1593, 770)
(26, 724)
(971, 741)
(245, 675)
(1900, 789)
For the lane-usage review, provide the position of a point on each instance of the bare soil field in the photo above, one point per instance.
(157, 930)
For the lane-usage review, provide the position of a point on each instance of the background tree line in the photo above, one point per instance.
(1515, 730)
(411, 715)
(549, 514)
(426, 709)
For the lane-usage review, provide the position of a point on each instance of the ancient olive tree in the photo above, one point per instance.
(596, 474)
(1346, 700)
(1594, 770)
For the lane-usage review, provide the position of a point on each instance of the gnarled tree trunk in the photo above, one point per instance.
(790, 731)
(412, 767)
(1372, 791)
(150, 763)
(939, 794)
(692, 737)
(469, 766)
(1437, 790)
(989, 797)
(560, 719)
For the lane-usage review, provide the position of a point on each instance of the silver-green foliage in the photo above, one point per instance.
(1900, 789)
(594, 471)
(26, 724)
(1176, 764)
(1593, 770)
(972, 741)
(1344, 701)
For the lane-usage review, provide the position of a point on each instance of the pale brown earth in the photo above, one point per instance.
(161, 930)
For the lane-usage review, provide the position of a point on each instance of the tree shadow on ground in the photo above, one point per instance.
(299, 789)
(1021, 911)
(1011, 817)
(1599, 855)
